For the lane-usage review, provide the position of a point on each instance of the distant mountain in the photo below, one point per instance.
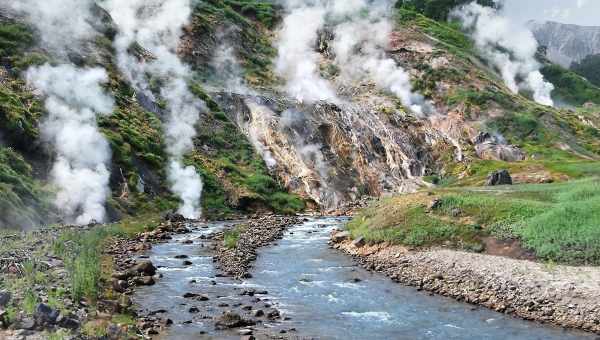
(566, 43)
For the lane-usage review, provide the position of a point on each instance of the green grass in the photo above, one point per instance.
(558, 222)
(571, 87)
(231, 238)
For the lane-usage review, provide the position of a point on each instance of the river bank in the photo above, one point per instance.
(564, 296)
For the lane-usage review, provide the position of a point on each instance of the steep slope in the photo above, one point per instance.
(566, 43)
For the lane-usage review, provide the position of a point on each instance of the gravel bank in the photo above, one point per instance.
(237, 262)
(561, 295)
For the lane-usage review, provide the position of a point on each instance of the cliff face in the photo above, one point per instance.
(566, 43)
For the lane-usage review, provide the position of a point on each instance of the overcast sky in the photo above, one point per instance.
(580, 12)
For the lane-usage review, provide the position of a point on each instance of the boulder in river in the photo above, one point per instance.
(499, 177)
(232, 320)
(145, 267)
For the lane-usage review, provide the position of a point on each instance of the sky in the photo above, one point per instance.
(580, 12)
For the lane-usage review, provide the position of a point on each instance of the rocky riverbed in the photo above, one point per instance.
(561, 295)
(236, 260)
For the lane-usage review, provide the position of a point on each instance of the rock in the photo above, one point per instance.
(340, 236)
(145, 267)
(4, 298)
(44, 315)
(181, 256)
(231, 320)
(174, 217)
(245, 331)
(120, 286)
(125, 274)
(26, 323)
(247, 337)
(499, 177)
(189, 295)
(145, 281)
(187, 263)
(114, 332)
(258, 313)
(67, 322)
(359, 242)
(194, 310)
(435, 204)
(274, 314)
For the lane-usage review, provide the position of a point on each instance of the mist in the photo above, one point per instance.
(157, 25)
(508, 47)
(80, 171)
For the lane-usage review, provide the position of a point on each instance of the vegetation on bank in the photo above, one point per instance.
(87, 277)
(558, 222)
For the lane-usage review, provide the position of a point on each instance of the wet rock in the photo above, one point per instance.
(274, 314)
(258, 313)
(231, 320)
(145, 281)
(194, 310)
(181, 256)
(359, 242)
(145, 267)
(245, 332)
(499, 177)
(187, 263)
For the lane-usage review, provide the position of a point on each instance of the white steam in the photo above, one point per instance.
(361, 30)
(61, 23)
(74, 97)
(157, 26)
(297, 61)
(507, 46)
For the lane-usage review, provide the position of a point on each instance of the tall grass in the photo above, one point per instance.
(559, 222)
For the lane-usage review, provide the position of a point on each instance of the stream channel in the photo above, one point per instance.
(320, 293)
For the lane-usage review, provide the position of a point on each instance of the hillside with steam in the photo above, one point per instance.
(220, 107)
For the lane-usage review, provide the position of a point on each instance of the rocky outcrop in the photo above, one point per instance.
(566, 43)
(334, 154)
(564, 296)
(490, 147)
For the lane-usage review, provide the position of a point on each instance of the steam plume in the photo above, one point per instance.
(361, 29)
(156, 25)
(297, 61)
(58, 21)
(508, 47)
(73, 99)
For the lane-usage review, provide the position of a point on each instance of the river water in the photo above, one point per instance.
(325, 295)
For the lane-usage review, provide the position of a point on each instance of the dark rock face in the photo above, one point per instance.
(566, 43)
(500, 177)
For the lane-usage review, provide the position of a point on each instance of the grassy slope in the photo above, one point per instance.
(559, 221)
(556, 221)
